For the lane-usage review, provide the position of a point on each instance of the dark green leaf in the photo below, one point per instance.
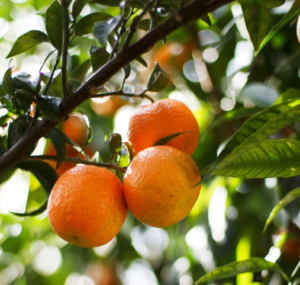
(257, 18)
(44, 173)
(23, 99)
(293, 12)
(127, 71)
(159, 79)
(10, 106)
(165, 140)
(117, 3)
(115, 143)
(258, 128)
(86, 24)
(2, 147)
(54, 24)
(142, 61)
(59, 146)
(238, 267)
(7, 83)
(41, 210)
(27, 41)
(77, 7)
(80, 72)
(50, 108)
(28, 82)
(274, 3)
(270, 158)
(206, 20)
(103, 29)
(291, 196)
(99, 56)
(287, 95)
(2, 92)
(16, 130)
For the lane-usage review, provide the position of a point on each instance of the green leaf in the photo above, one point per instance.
(59, 146)
(257, 18)
(274, 3)
(127, 71)
(77, 7)
(7, 83)
(80, 72)
(50, 108)
(271, 158)
(99, 56)
(28, 82)
(238, 267)
(103, 29)
(45, 174)
(206, 20)
(23, 99)
(142, 61)
(293, 12)
(258, 128)
(54, 24)
(228, 117)
(16, 131)
(2, 147)
(27, 41)
(291, 93)
(40, 210)
(166, 139)
(291, 196)
(10, 106)
(115, 143)
(97, 157)
(117, 3)
(159, 79)
(124, 157)
(86, 24)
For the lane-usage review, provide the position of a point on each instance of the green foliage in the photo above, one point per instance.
(50, 107)
(159, 79)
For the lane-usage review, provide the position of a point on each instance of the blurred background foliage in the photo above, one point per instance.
(214, 71)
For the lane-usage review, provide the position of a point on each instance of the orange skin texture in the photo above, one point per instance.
(158, 186)
(152, 122)
(87, 206)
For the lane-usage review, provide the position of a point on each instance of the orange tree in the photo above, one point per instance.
(236, 66)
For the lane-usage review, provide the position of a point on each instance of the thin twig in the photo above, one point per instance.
(66, 35)
(292, 278)
(122, 93)
(135, 22)
(47, 57)
(75, 160)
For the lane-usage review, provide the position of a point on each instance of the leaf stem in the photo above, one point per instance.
(75, 160)
(66, 35)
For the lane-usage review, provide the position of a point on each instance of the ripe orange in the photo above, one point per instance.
(153, 122)
(159, 186)
(87, 206)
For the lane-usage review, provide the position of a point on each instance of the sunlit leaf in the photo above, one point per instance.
(159, 79)
(50, 108)
(258, 128)
(97, 157)
(40, 210)
(54, 24)
(27, 41)
(293, 12)
(86, 24)
(238, 267)
(291, 196)
(257, 18)
(291, 93)
(103, 29)
(270, 158)
(59, 146)
(206, 20)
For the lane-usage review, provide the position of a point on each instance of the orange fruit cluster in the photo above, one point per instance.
(88, 204)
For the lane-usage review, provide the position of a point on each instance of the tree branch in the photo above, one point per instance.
(91, 86)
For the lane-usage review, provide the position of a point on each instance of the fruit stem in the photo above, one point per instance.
(75, 160)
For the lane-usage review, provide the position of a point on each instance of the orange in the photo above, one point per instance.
(155, 121)
(159, 186)
(87, 206)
